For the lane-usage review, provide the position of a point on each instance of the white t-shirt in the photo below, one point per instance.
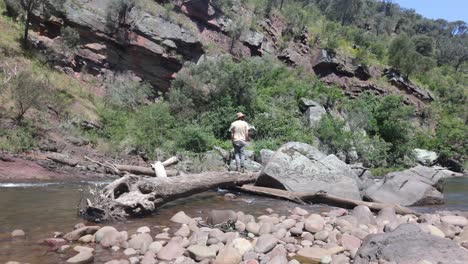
(239, 130)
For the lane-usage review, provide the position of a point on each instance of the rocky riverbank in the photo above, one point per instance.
(225, 236)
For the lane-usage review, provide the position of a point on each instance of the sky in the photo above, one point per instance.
(450, 10)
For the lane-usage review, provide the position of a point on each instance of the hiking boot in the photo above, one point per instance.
(242, 170)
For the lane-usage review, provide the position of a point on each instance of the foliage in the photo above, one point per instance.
(451, 140)
(195, 138)
(388, 138)
(331, 132)
(235, 30)
(71, 37)
(423, 45)
(211, 92)
(17, 139)
(122, 91)
(117, 14)
(344, 11)
(403, 55)
(27, 92)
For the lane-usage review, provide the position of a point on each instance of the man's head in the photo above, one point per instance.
(240, 116)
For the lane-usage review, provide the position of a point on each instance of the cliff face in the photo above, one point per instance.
(153, 44)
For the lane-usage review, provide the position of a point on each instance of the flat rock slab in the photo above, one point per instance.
(409, 244)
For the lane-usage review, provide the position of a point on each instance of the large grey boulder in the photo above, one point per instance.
(409, 244)
(300, 167)
(416, 186)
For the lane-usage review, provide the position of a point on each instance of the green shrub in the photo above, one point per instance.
(27, 92)
(71, 37)
(151, 127)
(195, 138)
(332, 132)
(18, 139)
(123, 92)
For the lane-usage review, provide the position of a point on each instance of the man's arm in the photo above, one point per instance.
(247, 133)
(231, 130)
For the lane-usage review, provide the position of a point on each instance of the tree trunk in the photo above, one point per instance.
(322, 197)
(140, 170)
(29, 7)
(132, 195)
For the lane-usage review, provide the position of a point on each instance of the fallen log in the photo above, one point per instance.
(140, 170)
(137, 170)
(322, 198)
(133, 196)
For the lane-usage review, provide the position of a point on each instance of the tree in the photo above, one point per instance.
(123, 92)
(235, 30)
(27, 92)
(71, 37)
(453, 51)
(117, 14)
(345, 11)
(402, 55)
(28, 6)
(423, 45)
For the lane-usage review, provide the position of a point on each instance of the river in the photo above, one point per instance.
(41, 209)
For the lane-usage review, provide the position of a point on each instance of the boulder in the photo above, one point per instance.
(314, 223)
(242, 245)
(181, 218)
(144, 229)
(200, 253)
(325, 63)
(114, 239)
(409, 244)
(455, 220)
(249, 165)
(84, 256)
(299, 167)
(54, 242)
(265, 155)
(216, 217)
(77, 233)
(17, 233)
(311, 255)
(425, 157)
(171, 251)
(363, 214)
(228, 255)
(184, 231)
(265, 243)
(140, 241)
(100, 234)
(416, 186)
(149, 258)
(86, 239)
(312, 110)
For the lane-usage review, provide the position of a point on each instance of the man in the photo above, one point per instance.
(240, 136)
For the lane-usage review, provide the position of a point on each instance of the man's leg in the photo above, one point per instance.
(237, 156)
(242, 157)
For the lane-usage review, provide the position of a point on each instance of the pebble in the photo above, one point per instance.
(143, 229)
(129, 252)
(17, 233)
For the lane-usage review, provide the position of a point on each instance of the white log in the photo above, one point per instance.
(159, 169)
(170, 161)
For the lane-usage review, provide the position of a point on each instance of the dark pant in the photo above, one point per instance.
(239, 153)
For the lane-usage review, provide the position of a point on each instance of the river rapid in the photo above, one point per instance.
(42, 209)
